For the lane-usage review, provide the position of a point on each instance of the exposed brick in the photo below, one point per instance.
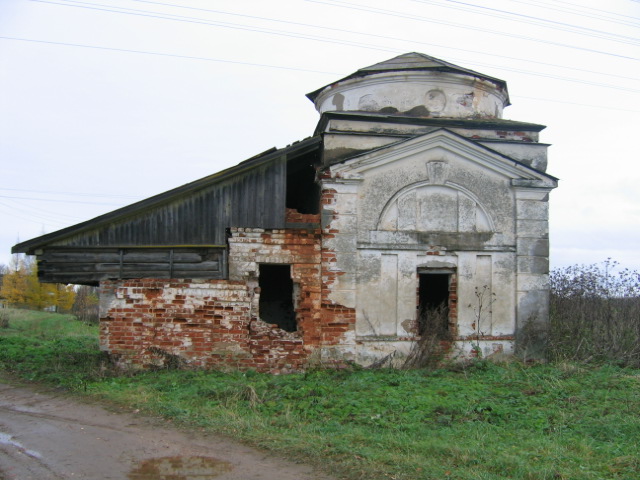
(210, 324)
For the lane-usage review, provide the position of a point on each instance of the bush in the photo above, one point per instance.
(595, 314)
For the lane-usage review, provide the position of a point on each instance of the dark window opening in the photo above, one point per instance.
(303, 193)
(276, 296)
(433, 304)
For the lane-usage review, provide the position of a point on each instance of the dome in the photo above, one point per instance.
(415, 84)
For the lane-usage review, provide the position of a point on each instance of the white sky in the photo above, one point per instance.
(86, 130)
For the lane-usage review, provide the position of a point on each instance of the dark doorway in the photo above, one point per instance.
(276, 296)
(433, 304)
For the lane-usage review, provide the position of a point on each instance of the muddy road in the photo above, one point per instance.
(48, 435)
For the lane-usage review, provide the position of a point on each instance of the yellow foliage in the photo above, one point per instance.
(65, 298)
(14, 283)
(21, 288)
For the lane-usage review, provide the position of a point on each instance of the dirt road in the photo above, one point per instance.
(47, 435)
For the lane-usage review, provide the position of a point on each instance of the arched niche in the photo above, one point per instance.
(427, 207)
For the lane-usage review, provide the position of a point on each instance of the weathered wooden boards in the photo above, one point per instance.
(89, 265)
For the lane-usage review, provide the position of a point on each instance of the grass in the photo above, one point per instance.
(486, 421)
(49, 347)
(44, 325)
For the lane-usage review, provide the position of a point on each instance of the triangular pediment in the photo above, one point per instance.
(441, 143)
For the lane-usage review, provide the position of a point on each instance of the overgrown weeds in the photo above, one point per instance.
(429, 350)
(595, 315)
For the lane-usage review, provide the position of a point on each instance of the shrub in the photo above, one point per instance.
(595, 314)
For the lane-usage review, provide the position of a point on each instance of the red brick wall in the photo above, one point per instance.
(154, 322)
(214, 323)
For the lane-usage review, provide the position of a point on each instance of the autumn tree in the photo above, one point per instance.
(14, 283)
(21, 288)
(65, 297)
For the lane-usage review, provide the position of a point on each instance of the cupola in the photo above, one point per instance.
(417, 85)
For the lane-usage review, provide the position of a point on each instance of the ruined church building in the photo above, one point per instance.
(413, 193)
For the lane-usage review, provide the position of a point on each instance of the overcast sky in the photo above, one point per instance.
(103, 102)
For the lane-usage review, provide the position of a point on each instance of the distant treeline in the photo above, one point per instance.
(20, 288)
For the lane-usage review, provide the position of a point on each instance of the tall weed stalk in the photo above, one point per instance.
(595, 314)
(429, 350)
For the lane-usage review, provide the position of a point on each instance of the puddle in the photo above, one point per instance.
(8, 440)
(180, 468)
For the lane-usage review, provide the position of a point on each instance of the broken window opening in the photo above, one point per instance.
(433, 304)
(276, 304)
(303, 193)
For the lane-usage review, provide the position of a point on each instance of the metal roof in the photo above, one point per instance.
(413, 61)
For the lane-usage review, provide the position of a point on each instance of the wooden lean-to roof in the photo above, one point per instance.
(180, 233)
(249, 194)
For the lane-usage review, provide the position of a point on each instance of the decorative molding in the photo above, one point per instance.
(426, 183)
(450, 142)
(437, 171)
(532, 193)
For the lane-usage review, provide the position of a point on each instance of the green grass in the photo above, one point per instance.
(486, 421)
(49, 347)
(44, 325)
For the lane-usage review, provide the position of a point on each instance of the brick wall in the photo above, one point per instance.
(215, 323)
(157, 322)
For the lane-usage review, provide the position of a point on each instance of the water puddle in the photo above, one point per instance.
(180, 468)
(6, 439)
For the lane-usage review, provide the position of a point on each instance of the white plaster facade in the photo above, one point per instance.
(416, 194)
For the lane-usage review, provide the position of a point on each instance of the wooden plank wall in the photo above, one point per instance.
(255, 198)
(90, 265)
